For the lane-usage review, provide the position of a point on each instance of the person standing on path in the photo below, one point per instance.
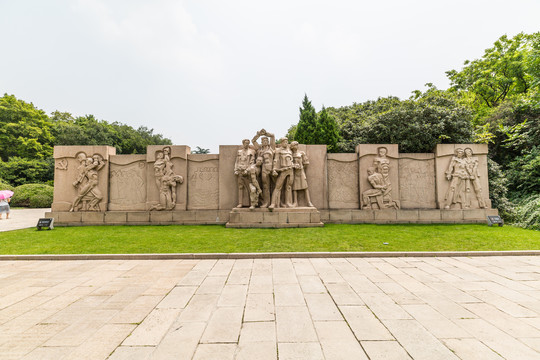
(4, 207)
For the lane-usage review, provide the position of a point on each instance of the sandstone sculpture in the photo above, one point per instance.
(461, 172)
(378, 178)
(245, 169)
(166, 180)
(300, 161)
(283, 170)
(474, 176)
(89, 196)
(265, 161)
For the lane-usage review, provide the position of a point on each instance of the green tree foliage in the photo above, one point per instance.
(501, 72)
(313, 128)
(25, 131)
(328, 131)
(27, 137)
(87, 130)
(307, 131)
(416, 124)
(18, 171)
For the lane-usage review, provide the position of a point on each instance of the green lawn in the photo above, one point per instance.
(214, 238)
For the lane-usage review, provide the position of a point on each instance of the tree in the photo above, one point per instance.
(307, 130)
(500, 73)
(199, 150)
(328, 131)
(25, 131)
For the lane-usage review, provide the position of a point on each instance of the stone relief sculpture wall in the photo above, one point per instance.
(271, 176)
(417, 181)
(166, 170)
(379, 180)
(462, 181)
(127, 182)
(265, 175)
(81, 178)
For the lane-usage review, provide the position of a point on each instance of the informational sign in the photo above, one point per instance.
(45, 223)
(495, 220)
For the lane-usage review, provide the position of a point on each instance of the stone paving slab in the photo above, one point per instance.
(21, 219)
(283, 308)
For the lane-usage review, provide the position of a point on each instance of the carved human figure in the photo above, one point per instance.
(87, 181)
(381, 192)
(300, 161)
(246, 171)
(379, 179)
(379, 188)
(265, 160)
(459, 177)
(282, 169)
(382, 163)
(166, 180)
(474, 176)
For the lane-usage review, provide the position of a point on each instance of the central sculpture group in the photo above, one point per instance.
(280, 169)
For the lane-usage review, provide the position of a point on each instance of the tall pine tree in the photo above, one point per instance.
(306, 130)
(328, 131)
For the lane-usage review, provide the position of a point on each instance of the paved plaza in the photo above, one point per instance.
(21, 218)
(356, 308)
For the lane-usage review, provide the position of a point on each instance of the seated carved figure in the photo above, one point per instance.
(380, 192)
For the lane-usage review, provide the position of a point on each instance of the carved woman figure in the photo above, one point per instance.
(300, 161)
(459, 178)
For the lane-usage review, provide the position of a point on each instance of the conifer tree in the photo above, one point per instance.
(307, 126)
(328, 130)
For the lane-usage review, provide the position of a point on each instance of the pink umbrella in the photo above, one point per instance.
(5, 194)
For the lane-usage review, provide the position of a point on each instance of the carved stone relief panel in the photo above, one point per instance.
(127, 176)
(461, 179)
(81, 178)
(203, 181)
(417, 181)
(379, 176)
(166, 169)
(343, 181)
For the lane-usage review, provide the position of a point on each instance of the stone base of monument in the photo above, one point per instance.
(276, 218)
(296, 217)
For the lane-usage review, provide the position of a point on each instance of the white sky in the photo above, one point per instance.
(210, 72)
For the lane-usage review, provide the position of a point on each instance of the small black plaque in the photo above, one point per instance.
(45, 223)
(495, 220)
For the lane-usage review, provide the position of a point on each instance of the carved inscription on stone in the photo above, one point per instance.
(127, 186)
(342, 183)
(417, 183)
(203, 184)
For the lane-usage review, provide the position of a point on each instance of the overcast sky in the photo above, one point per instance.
(210, 72)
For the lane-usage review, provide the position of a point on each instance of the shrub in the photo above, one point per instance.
(498, 191)
(5, 186)
(529, 213)
(18, 171)
(33, 196)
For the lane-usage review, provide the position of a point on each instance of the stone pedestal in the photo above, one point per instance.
(278, 218)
